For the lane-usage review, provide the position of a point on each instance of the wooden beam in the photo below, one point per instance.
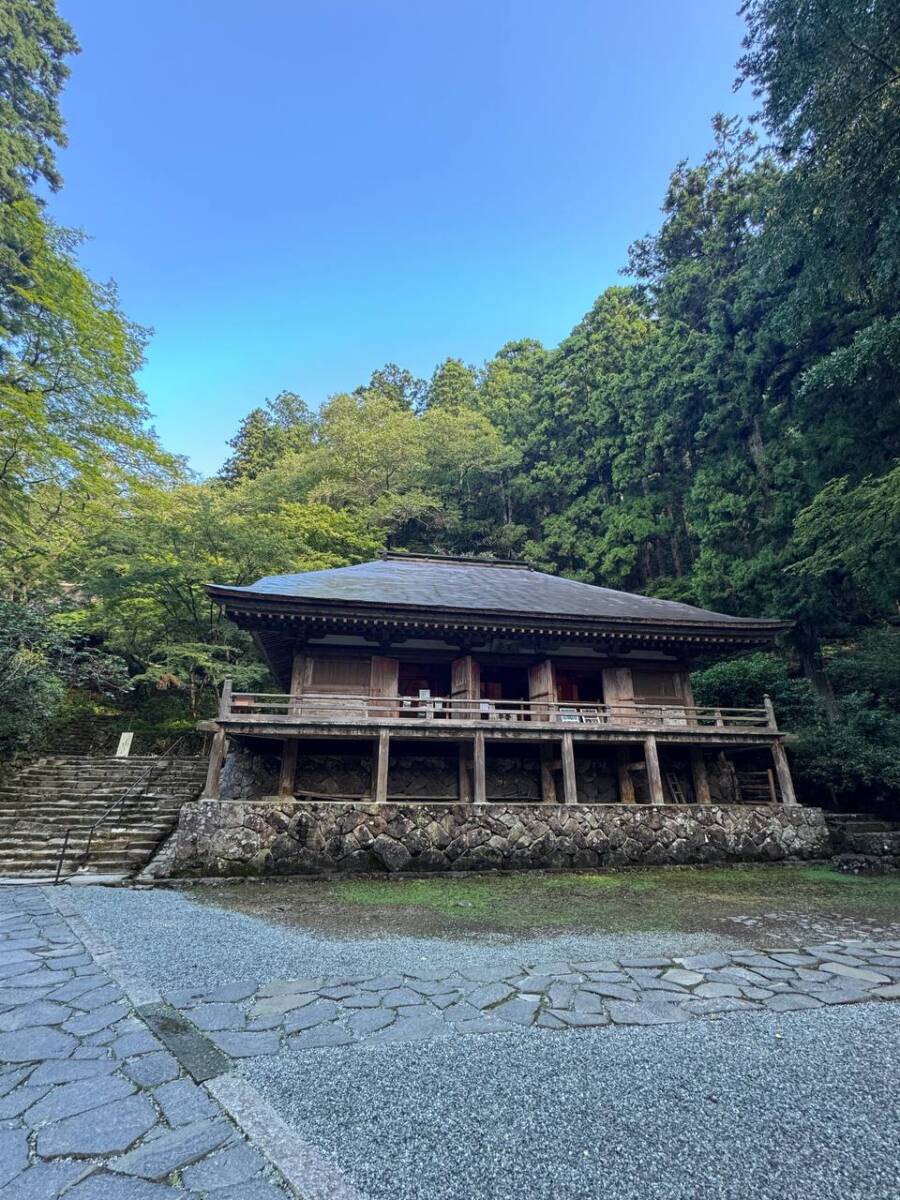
(548, 783)
(382, 763)
(570, 786)
(464, 791)
(701, 779)
(288, 767)
(214, 770)
(654, 778)
(783, 771)
(479, 769)
(623, 774)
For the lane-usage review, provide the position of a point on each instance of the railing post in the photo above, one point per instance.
(479, 769)
(214, 770)
(570, 784)
(225, 699)
(783, 771)
(770, 712)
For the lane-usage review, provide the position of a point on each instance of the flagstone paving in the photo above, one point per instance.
(246, 1019)
(92, 1105)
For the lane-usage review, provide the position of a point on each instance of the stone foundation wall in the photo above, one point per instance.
(305, 838)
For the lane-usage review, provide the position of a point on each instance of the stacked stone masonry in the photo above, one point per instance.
(221, 838)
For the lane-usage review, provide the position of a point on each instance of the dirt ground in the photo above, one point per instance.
(758, 905)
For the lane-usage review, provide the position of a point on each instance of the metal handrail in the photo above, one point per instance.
(119, 804)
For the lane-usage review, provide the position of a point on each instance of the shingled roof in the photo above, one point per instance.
(478, 587)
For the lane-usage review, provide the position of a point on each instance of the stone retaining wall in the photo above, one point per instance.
(303, 838)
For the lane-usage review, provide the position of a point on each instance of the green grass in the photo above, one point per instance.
(669, 898)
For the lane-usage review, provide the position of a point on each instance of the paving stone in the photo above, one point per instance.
(661, 985)
(485, 1024)
(96, 1021)
(384, 983)
(275, 1021)
(40, 1012)
(369, 1020)
(102, 1037)
(103, 1186)
(738, 975)
(151, 1070)
(606, 977)
(756, 993)
(33, 1045)
(561, 995)
(230, 992)
(212, 1017)
(279, 1005)
(20, 1099)
(582, 1020)
(502, 972)
(723, 1004)
(139, 1042)
(838, 995)
(716, 991)
(426, 987)
(413, 1030)
(521, 1010)
(40, 978)
(489, 994)
(445, 1000)
(549, 1020)
(792, 959)
(428, 974)
(43, 1181)
(314, 1014)
(89, 1052)
(71, 1069)
(13, 1153)
(645, 1012)
(174, 1150)
(318, 1037)
(398, 997)
(224, 1168)
(363, 1000)
(72, 990)
(863, 974)
(463, 1011)
(106, 994)
(252, 1189)
(597, 964)
(184, 1101)
(111, 1132)
(68, 1099)
(682, 976)
(533, 984)
(613, 991)
(12, 1077)
(246, 1045)
(791, 1002)
(890, 991)
(704, 962)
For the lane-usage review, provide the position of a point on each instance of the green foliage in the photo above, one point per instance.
(34, 44)
(742, 682)
(42, 656)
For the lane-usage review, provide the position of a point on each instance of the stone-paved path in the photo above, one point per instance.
(92, 1105)
(247, 1018)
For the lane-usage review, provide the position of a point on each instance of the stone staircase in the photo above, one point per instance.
(864, 842)
(44, 797)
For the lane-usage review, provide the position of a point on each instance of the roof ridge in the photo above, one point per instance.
(467, 560)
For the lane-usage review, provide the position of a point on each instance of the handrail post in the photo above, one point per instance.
(225, 699)
(770, 712)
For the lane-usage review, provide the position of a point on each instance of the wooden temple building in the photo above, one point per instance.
(420, 677)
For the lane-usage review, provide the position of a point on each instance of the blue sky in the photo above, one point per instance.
(292, 193)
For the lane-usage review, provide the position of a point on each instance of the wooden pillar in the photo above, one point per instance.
(654, 778)
(701, 779)
(548, 783)
(783, 771)
(214, 770)
(479, 771)
(570, 786)
(382, 763)
(623, 774)
(465, 686)
(384, 686)
(542, 690)
(298, 676)
(770, 712)
(464, 791)
(618, 692)
(288, 767)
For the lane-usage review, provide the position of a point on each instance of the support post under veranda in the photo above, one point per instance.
(288, 773)
(214, 770)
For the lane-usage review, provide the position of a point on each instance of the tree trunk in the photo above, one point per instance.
(809, 649)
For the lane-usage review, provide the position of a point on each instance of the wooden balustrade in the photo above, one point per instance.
(258, 706)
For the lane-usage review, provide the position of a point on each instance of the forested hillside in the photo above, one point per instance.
(722, 427)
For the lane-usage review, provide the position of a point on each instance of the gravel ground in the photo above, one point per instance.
(746, 1108)
(176, 941)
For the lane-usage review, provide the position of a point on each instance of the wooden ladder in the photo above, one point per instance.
(676, 791)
